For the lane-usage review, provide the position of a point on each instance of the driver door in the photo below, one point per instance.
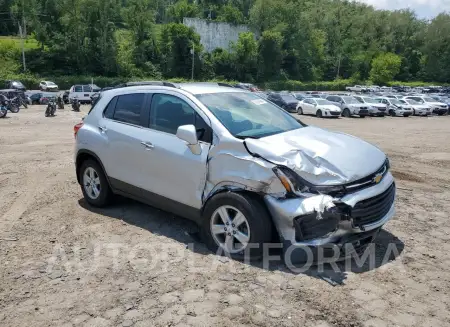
(171, 171)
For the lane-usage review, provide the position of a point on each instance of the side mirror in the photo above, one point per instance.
(188, 134)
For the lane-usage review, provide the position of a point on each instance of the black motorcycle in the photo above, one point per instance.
(60, 102)
(3, 107)
(51, 108)
(75, 105)
(13, 105)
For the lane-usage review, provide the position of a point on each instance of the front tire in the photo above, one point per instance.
(14, 109)
(94, 185)
(3, 112)
(346, 113)
(233, 221)
(319, 114)
(392, 113)
(300, 111)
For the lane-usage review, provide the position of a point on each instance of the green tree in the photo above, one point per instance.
(231, 14)
(385, 67)
(177, 41)
(245, 54)
(270, 55)
(181, 9)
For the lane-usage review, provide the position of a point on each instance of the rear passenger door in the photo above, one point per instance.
(173, 174)
(122, 128)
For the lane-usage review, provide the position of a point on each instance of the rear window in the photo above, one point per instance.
(128, 108)
(78, 88)
(86, 88)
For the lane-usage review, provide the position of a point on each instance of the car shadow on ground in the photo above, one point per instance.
(385, 248)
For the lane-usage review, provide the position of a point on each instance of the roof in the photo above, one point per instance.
(202, 88)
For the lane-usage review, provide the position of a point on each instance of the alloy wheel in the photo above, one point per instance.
(91, 183)
(230, 229)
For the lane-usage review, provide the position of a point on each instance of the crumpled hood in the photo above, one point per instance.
(319, 156)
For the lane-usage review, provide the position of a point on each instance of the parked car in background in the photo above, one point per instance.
(437, 107)
(47, 97)
(285, 100)
(247, 86)
(356, 88)
(318, 107)
(396, 108)
(17, 85)
(36, 97)
(349, 105)
(376, 108)
(419, 109)
(229, 161)
(83, 92)
(48, 86)
(299, 96)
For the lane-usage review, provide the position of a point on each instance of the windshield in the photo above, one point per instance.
(409, 101)
(395, 101)
(288, 98)
(371, 100)
(247, 115)
(350, 100)
(323, 102)
(51, 83)
(428, 99)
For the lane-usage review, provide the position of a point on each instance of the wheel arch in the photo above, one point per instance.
(84, 155)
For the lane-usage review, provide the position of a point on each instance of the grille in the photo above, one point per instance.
(368, 180)
(382, 109)
(335, 113)
(371, 210)
(363, 111)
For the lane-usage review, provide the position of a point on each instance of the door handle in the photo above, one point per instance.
(147, 145)
(102, 129)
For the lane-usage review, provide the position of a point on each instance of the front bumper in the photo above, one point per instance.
(285, 212)
(440, 111)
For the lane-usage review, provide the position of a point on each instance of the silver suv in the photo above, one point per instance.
(349, 105)
(241, 167)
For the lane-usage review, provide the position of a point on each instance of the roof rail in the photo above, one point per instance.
(140, 83)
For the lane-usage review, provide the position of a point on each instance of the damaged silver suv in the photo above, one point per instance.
(241, 167)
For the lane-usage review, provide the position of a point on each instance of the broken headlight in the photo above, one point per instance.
(297, 186)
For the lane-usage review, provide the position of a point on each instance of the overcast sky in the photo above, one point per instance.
(423, 8)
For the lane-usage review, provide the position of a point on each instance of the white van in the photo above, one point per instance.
(83, 92)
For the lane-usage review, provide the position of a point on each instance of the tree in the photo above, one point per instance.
(270, 55)
(385, 67)
(177, 41)
(230, 14)
(245, 54)
(181, 9)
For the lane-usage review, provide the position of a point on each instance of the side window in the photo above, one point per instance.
(78, 88)
(128, 108)
(109, 110)
(169, 112)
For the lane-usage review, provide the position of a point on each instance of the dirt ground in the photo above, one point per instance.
(66, 264)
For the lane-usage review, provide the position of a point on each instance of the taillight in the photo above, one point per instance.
(76, 128)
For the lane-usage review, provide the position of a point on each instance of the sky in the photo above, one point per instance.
(424, 8)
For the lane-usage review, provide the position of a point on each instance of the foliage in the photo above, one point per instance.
(384, 68)
(296, 40)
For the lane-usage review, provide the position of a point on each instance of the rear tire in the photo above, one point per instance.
(94, 185)
(362, 116)
(255, 225)
(3, 113)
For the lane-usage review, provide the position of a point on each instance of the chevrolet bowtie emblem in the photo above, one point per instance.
(377, 178)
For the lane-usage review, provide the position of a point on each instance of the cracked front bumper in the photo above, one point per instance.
(285, 212)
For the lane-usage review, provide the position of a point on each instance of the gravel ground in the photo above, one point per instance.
(66, 264)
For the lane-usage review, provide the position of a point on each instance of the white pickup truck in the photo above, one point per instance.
(356, 88)
(83, 92)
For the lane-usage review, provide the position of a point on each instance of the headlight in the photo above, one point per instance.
(297, 186)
